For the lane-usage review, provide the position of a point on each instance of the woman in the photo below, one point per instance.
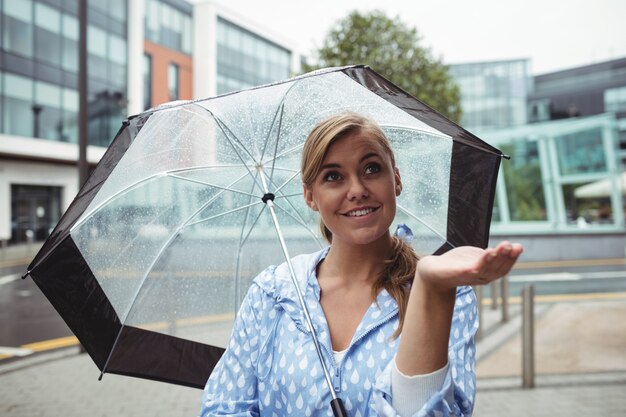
(397, 335)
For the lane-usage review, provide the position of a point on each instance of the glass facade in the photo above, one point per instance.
(246, 60)
(39, 69)
(168, 26)
(562, 176)
(615, 99)
(493, 94)
(522, 174)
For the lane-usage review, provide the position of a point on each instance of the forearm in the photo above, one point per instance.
(423, 346)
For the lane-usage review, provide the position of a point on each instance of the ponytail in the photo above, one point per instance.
(397, 277)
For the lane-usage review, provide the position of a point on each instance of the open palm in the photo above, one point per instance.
(468, 265)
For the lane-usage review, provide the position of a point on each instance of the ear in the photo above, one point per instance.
(398, 182)
(308, 197)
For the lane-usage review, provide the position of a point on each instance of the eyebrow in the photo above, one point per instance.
(364, 158)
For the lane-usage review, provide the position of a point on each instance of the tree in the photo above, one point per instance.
(392, 49)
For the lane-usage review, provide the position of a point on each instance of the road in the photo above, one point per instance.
(28, 320)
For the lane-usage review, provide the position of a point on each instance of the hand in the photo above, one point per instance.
(468, 265)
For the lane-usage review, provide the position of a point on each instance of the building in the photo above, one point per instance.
(580, 92)
(141, 53)
(493, 94)
(563, 192)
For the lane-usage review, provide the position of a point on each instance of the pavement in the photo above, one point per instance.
(580, 370)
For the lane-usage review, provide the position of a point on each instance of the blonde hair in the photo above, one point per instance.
(397, 276)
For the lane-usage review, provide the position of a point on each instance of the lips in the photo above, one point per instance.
(361, 212)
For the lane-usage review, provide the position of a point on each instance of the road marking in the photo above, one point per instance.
(555, 298)
(567, 276)
(52, 344)
(572, 262)
(8, 279)
(6, 351)
(15, 262)
(554, 276)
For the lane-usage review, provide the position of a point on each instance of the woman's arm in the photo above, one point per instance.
(424, 344)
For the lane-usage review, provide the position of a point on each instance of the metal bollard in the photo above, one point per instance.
(504, 295)
(528, 337)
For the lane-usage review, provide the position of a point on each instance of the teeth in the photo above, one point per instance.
(357, 213)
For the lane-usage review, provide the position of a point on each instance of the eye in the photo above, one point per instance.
(332, 176)
(372, 168)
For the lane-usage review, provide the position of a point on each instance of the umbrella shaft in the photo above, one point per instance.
(269, 201)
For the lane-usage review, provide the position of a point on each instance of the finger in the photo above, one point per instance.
(507, 261)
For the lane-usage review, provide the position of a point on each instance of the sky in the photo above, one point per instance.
(554, 34)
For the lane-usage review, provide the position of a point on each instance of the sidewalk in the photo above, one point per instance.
(581, 367)
(580, 361)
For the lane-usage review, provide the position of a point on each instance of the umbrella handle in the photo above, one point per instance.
(338, 408)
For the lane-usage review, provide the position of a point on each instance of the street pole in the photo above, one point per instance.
(83, 113)
(528, 337)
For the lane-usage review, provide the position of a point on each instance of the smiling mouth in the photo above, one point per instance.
(361, 212)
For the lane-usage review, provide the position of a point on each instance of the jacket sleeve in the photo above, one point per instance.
(232, 387)
(456, 396)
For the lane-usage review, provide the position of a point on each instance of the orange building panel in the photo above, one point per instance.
(161, 59)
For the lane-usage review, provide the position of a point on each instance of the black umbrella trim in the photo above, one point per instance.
(146, 354)
(75, 293)
(69, 284)
(469, 207)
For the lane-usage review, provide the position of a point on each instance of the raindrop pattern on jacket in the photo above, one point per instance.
(270, 367)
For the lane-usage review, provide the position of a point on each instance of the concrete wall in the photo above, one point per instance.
(560, 247)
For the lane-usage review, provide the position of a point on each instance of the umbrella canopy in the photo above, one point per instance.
(601, 188)
(151, 260)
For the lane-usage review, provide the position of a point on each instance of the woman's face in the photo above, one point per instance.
(355, 190)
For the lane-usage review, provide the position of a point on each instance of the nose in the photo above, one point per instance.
(357, 189)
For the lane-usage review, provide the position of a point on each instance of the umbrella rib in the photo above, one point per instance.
(232, 142)
(280, 123)
(407, 212)
(224, 213)
(212, 185)
(301, 222)
(287, 181)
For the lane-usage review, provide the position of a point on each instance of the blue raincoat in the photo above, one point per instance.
(270, 367)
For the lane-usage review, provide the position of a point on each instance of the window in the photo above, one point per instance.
(581, 152)
(147, 81)
(173, 81)
(524, 186)
(18, 113)
(588, 203)
(17, 28)
(615, 99)
(48, 117)
(48, 39)
(167, 26)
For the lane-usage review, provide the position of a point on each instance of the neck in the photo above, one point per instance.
(357, 264)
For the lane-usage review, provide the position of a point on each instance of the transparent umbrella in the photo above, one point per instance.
(150, 262)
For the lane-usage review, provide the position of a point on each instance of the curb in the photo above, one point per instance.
(38, 359)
